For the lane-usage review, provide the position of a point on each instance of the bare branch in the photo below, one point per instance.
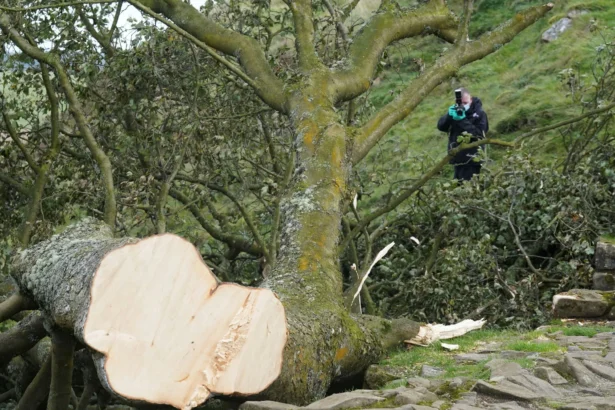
(62, 351)
(37, 391)
(446, 66)
(246, 217)
(116, 18)
(564, 123)
(382, 30)
(341, 28)
(231, 240)
(13, 305)
(251, 57)
(21, 338)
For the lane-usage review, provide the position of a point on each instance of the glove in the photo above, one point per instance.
(452, 111)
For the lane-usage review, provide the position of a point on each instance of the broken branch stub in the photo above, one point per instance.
(166, 331)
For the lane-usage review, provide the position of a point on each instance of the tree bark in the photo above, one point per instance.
(22, 337)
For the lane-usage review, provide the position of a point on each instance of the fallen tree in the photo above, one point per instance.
(162, 329)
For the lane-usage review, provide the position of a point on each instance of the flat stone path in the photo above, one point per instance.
(582, 377)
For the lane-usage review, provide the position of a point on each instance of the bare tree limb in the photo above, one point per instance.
(246, 217)
(462, 33)
(447, 65)
(564, 123)
(21, 338)
(341, 28)
(251, 57)
(165, 185)
(116, 18)
(62, 351)
(98, 36)
(88, 390)
(38, 390)
(7, 395)
(231, 240)
(13, 305)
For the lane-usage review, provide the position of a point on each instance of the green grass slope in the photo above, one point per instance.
(519, 85)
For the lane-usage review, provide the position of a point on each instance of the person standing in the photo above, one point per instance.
(473, 120)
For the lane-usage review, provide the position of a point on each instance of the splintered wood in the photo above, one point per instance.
(432, 333)
(172, 335)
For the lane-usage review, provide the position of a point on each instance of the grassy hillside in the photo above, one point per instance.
(519, 84)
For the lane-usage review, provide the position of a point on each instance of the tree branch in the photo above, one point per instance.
(405, 194)
(13, 134)
(21, 338)
(563, 123)
(231, 240)
(251, 57)
(341, 28)
(116, 18)
(246, 217)
(48, 160)
(37, 391)
(99, 37)
(13, 305)
(77, 112)
(382, 30)
(446, 66)
(462, 32)
(304, 33)
(15, 184)
(62, 351)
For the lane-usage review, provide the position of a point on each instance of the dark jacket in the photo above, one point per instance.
(475, 123)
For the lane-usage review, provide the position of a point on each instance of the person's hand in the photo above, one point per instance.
(452, 111)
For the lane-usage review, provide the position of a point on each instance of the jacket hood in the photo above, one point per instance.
(477, 104)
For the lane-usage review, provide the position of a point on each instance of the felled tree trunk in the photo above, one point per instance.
(161, 328)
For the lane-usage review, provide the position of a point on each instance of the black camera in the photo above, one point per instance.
(458, 103)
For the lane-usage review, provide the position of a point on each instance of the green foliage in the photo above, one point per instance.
(474, 240)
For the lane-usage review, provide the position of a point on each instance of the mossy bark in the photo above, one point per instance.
(326, 343)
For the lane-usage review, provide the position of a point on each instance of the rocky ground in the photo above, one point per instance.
(580, 375)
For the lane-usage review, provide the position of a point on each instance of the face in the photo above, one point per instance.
(466, 99)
